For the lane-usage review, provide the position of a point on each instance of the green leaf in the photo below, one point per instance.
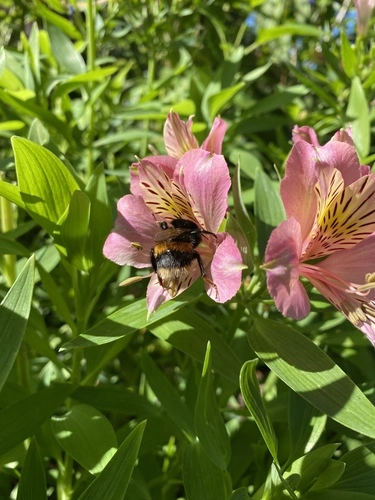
(202, 479)
(330, 475)
(251, 393)
(310, 466)
(97, 75)
(32, 482)
(348, 56)
(27, 106)
(87, 436)
(306, 425)
(190, 333)
(358, 114)
(73, 231)
(169, 397)
(54, 293)
(243, 219)
(219, 100)
(11, 193)
(113, 481)
(306, 369)
(45, 183)
(209, 424)
(359, 474)
(123, 322)
(21, 419)
(268, 209)
(240, 494)
(117, 399)
(268, 34)
(101, 220)
(61, 25)
(8, 246)
(14, 313)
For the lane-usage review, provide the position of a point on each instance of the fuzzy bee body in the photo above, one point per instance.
(174, 253)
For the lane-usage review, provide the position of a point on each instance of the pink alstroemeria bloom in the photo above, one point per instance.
(179, 139)
(364, 10)
(194, 188)
(329, 199)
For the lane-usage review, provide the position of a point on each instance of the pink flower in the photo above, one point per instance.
(364, 10)
(329, 199)
(193, 190)
(179, 139)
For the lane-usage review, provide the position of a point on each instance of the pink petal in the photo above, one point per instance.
(166, 163)
(155, 295)
(215, 138)
(354, 264)
(178, 137)
(347, 220)
(282, 266)
(306, 134)
(297, 187)
(342, 156)
(357, 308)
(134, 224)
(225, 270)
(205, 178)
(344, 135)
(158, 192)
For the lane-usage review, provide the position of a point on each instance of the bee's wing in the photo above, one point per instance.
(168, 234)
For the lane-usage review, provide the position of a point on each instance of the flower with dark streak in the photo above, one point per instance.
(328, 237)
(190, 186)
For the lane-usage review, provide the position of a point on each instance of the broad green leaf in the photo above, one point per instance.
(306, 425)
(21, 419)
(97, 75)
(240, 494)
(113, 481)
(306, 369)
(209, 424)
(268, 209)
(169, 397)
(123, 322)
(87, 436)
(73, 231)
(56, 296)
(32, 482)
(60, 25)
(251, 393)
(330, 475)
(11, 193)
(336, 495)
(29, 108)
(11, 125)
(38, 133)
(359, 474)
(358, 113)
(268, 34)
(348, 56)
(8, 246)
(243, 217)
(310, 466)
(14, 313)
(219, 100)
(190, 333)
(101, 220)
(45, 183)
(115, 398)
(202, 479)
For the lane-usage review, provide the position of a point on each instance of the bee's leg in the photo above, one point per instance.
(153, 260)
(204, 276)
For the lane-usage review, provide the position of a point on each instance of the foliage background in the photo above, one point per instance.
(92, 84)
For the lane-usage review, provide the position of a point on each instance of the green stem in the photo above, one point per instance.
(7, 224)
(91, 56)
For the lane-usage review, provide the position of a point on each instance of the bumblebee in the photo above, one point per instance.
(174, 253)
